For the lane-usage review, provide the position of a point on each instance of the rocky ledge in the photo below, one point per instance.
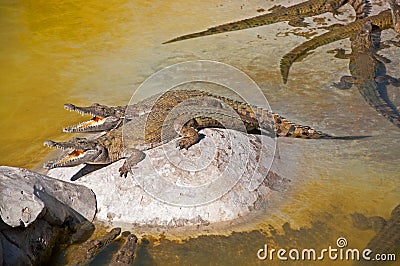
(39, 213)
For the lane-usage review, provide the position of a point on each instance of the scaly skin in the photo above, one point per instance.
(167, 100)
(383, 20)
(92, 248)
(106, 118)
(158, 127)
(366, 69)
(294, 14)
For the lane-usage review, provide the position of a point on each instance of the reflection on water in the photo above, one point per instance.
(53, 52)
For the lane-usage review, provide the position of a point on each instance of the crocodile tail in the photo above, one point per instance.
(285, 128)
(281, 127)
(257, 21)
(302, 50)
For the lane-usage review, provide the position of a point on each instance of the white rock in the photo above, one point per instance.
(221, 178)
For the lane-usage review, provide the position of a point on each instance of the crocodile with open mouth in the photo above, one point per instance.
(294, 14)
(159, 126)
(106, 117)
(383, 20)
(368, 74)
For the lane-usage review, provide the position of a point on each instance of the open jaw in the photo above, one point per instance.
(77, 154)
(103, 118)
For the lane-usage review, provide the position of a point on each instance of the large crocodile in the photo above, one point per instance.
(106, 118)
(294, 14)
(368, 74)
(387, 239)
(383, 20)
(158, 127)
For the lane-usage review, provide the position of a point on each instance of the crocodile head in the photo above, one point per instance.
(104, 117)
(80, 150)
(363, 41)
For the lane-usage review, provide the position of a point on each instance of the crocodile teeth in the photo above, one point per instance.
(53, 144)
(83, 126)
(70, 158)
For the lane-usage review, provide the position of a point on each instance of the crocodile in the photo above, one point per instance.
(162, 101)
(383, 20)
(106, 118)
(368, 74)
(387, 239)
(126, 254)
(158, 127)
(294, 14)
(92, 248)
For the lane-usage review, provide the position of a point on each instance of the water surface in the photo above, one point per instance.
(54, 52)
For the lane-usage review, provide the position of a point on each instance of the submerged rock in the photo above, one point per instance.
(224, 176)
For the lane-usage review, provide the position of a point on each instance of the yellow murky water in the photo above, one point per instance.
(54, 52)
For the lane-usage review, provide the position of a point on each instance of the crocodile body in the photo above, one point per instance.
(155, 128)
(387, 239)
(383, 20)
(164, 101)
(106, 118)
(366, 70)
(294, 14)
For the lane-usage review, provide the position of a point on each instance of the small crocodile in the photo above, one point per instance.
(158, 127)
(387, 239)
(294, 14)
(126, 254)
(383, 20)
(368, 74)
(92, 248)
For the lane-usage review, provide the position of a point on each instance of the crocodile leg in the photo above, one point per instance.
(386, 79)
(298, 22)
(189, 135)
(135, 157)
(345, 82)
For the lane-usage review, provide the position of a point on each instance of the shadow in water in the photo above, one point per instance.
(143, 257)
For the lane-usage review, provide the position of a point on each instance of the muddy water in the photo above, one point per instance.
(53, 52)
